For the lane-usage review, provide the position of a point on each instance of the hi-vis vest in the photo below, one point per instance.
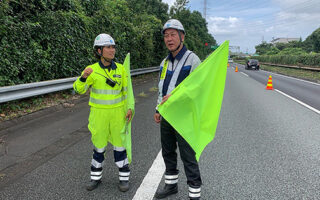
(103, 95)
(180, 68)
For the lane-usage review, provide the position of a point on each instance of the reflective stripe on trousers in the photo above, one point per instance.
(194, 192)
(120, 158)
(171, 179)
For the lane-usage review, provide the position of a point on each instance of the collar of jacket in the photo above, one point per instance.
(112, 65)
(179, 55)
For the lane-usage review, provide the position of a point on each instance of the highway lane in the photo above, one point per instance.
(266, 147)
(305, 91)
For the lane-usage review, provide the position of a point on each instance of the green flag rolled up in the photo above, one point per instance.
(193, 108)
(126, 131)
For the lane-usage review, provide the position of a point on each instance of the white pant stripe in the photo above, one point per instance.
(122, 163)
(96, 164)
(194, 190)
(96, 178)
(119, 148)
(124, 173)
(171, 176)
(171, 181)
(100, 150)
(194, 194)
(121, 178)
(96, 173)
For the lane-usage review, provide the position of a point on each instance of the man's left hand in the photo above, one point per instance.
(165, 98)
(129, 115)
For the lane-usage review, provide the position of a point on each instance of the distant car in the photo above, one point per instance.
(253, 64)
(230, 60)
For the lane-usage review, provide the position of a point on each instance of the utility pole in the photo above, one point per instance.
(205, 9)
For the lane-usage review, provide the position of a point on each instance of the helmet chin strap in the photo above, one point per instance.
(107, 59)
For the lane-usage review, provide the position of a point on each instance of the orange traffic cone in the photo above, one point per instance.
(228, 65)
(236, 69)
(269, 84)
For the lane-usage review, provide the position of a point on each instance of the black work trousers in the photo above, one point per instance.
(169, 140)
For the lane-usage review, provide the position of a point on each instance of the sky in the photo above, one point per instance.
(246, 23)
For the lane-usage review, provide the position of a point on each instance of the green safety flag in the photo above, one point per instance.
(126, 131)
(193, 108)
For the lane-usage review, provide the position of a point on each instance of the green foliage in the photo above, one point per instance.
(263, 48)
(44, 40)
(312, 43)
(273, 51)
(292, 51)
(299, 59)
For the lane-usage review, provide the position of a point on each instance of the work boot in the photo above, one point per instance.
(93, 184)
(124, 186)
(168, 189)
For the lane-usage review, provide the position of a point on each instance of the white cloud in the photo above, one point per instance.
(246, 23)
(222, 25)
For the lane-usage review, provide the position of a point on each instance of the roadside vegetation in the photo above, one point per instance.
(300, 53)
(295, 53)
(45, 40)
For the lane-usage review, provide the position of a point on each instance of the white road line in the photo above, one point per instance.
(151, 181)
(292, 78)
(244, 74)
(296, 100)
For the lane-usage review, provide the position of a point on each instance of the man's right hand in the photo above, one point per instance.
(87, 72)
(157, 117)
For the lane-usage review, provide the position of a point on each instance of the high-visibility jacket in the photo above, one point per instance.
(174, 70)
(103, 95)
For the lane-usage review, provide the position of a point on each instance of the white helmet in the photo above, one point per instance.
(103, 40)
(173, 23)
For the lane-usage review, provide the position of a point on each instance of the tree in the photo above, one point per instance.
(312, 42)
(263, 48)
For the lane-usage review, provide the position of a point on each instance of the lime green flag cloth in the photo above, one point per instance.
(129, 104)
(193, 108)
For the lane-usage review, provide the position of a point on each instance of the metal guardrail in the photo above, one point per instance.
(11, 93)
(295, 67)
